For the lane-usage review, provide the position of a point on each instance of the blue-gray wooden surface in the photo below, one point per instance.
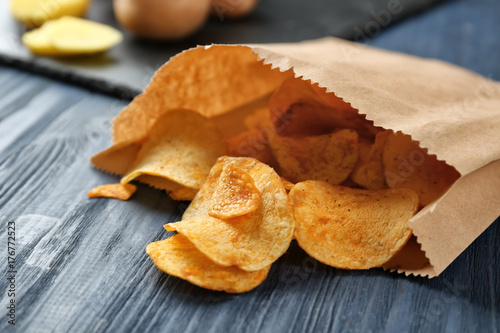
(81, 265)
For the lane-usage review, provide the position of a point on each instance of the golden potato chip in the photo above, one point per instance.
(291, 91)
(287, 184)
(118, 158)
(406, 165)
(259, 119)
(235, 194)
(351, 228)
(252, 241)
(329, 157)
(116, 191)
(298, 108)
(183, 193)
(411, 257)
(181, 147)
(197, 80)
(177, 256)
(370, 176)
(369, 172)
(174, 190)
(252, 143)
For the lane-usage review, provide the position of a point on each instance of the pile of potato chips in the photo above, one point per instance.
(308, 167)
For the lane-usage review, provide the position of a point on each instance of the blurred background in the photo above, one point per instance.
(153, 31)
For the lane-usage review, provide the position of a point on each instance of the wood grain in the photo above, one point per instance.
(81, 265)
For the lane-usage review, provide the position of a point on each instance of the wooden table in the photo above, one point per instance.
(80, 263)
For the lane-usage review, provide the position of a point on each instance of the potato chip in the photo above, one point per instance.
(351, 228)
(287, 184)
(181, 147)
(406, 165)
(118, 158)
(183, 193)
(259, 119)
(177, 256)
(197, 80)
(411, 257)
(252, 241)
(369, 172)
(300, 109)
(329, 157)
(235, 194)
(115, 191)
(252, 143)
(174, 190)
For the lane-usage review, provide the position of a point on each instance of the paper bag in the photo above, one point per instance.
(452, 112)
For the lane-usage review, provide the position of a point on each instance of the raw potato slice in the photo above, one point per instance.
(252, 241)
(406, 165)
(38, 42)
(369, 172)
(174, 190)
(181, 147)
(177, 256)
(116, 191)
(235, 194)
(329, 157)
(79, 36)
(351, 228)
(34, 13)
(71, 36)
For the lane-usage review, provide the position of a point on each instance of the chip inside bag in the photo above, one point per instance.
(347, 183)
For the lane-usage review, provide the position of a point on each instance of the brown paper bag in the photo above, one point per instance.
(452, 112)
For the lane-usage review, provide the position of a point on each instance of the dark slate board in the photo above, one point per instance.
(126, 70)
(81, 265)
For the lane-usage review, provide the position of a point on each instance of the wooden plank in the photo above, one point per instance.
(81, 265)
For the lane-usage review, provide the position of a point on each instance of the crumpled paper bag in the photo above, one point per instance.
(452, 112)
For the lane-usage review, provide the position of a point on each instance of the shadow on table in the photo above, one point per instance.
(474, 275)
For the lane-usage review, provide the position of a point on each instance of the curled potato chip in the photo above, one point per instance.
(177, 256)
(298, 108)
(174, 190)
(116, 191)
(235, 194)
(200, 88)
(287, 184)
(351, 228)
(252, 143)
(183, 193)
(181, 147)
(369, 172)
(406, 165)
(252, 241)
(329, 157)
(118, 158)
(258, 119)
